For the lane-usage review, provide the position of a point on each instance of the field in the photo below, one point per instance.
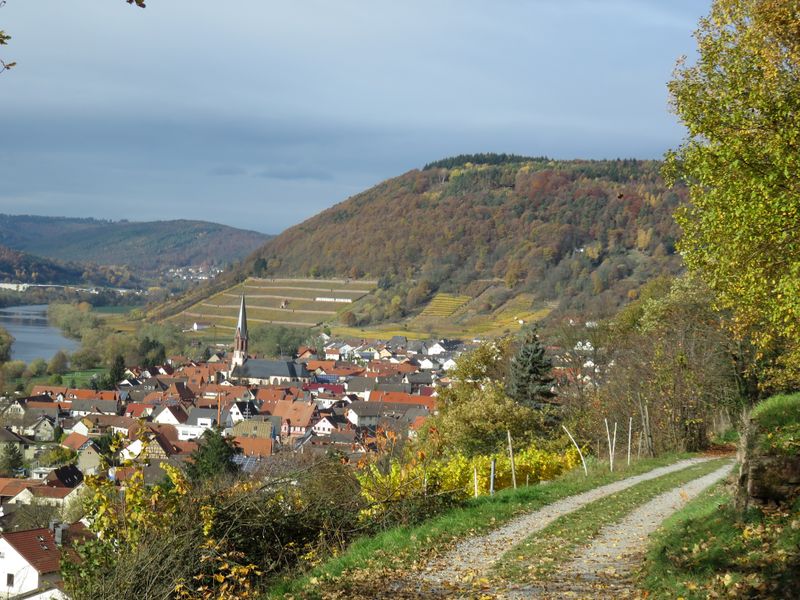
(444, 305)
(467, 320)
(289, 302)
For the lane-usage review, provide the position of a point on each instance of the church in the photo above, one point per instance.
(255, 371)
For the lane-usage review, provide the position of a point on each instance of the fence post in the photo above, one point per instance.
(511, 456)
(583, 460)
(630, 429)
(491, 478)
(475, 479)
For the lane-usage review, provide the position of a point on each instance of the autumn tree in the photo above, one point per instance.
(58, 364)
(740, 102)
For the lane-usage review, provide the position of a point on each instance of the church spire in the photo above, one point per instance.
(240, 339)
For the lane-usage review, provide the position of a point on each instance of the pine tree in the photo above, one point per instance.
(530, 373)
(10, 459)
(214, 456)
(117, 372)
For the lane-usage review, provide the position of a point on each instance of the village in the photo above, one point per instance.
(332, 399)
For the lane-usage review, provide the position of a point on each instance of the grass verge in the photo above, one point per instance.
(387, 554)
(706, 550)
(546, 550)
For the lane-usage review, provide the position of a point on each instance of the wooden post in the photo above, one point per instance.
(527, 479)
(585, 470)
(651, 449)
(639, 452)
(475, 479)
(630, 430)
(511, 456)
(608, 437)
(491, 477)
(614, 446)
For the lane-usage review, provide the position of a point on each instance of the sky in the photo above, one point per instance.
(261, 113)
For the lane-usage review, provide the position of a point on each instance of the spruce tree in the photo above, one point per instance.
(214, 456)
(10, 459)
(117, 372)
(530, 373)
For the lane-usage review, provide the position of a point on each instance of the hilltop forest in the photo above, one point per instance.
(141, 246)
(585, 233)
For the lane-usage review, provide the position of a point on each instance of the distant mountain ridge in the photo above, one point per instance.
(142, 246)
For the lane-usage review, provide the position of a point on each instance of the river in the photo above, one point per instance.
(34, 337)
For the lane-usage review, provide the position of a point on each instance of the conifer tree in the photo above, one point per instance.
(10, 459)
(214, 456)
(530, 373)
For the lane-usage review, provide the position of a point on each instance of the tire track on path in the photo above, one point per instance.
(474, 556)
(605, 569)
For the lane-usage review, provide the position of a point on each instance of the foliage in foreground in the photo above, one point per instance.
(219, 538)
(740, 102)
(453, 477)
(361, 570)
(708, 550)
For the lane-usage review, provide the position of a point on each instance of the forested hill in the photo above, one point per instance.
(142, 246)
(587, 233)
(21, 267)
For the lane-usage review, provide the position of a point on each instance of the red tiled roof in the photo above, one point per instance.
(39, 548)
(136, 410)
(403, 398)
(254, 446)
(10, 487)
(45, 491)
(74, 441)
(299, 414)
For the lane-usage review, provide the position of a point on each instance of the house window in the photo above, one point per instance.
(10, 580)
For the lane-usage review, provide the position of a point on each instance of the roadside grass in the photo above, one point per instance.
(387, 554)
(706, 550)
(778, 419)
(777, 410)
(546, 550)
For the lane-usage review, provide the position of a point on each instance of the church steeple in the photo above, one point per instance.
(240, 339)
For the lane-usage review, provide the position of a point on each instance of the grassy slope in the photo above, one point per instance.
(707, 550)
(394, 550)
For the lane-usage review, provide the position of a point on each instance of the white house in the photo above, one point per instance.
(170, 415)
(199, 420)
(30, 562)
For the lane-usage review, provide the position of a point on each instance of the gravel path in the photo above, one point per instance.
(473, 557)
(606, 567)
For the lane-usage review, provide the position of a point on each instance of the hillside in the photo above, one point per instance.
(21, 267)
(502, 241)
(584, 233)
(288, 302)
(142, 246)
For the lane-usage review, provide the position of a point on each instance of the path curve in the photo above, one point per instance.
(475, 555)
(605, 569)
